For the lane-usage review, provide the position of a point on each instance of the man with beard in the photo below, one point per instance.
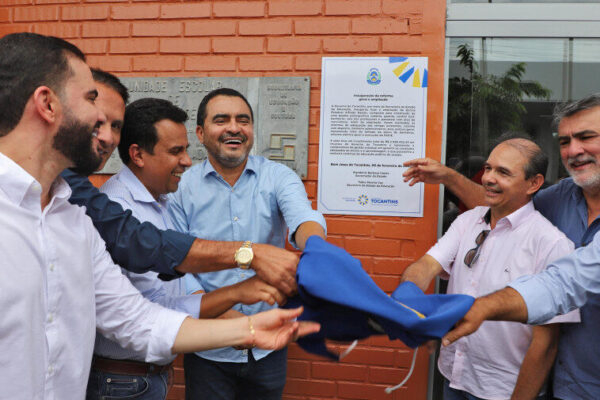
(234, 196)
(482, 251)
(57, 282)
(573, 205)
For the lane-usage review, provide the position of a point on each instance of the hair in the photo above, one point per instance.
(28, 61)
(537, 160)
(138, 126)
(563, 110)
(108, 79)
(219, 92)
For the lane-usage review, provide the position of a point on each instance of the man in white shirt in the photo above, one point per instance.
(57, 282)
(483, 250)
(152, 146)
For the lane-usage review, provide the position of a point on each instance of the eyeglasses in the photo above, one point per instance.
(473, 254)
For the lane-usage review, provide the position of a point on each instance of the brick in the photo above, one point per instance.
(392, 265)
(295, 7)
(348, 7)
(58, 1)
(185, 45)
(322, 26)
(62, 30)
(379, 25)
(408, 249)
(296, 353)
(157, 29)
(387, 376)
(370, 356)
(133, 46)
(395, 7)
(415, 26)
(309, 62)
(313, 152)
(312, 171)
(375, 247)
(310, 387)
(105, 29)
(350, 390)
(210, 28)
(4, 14)
(351, 44)
(334, 240)
(402, 230)
(385, 342)
(293, 45)
(6, 29)
(349, 226)
(197, 10)
(387, 283)
(311, 189)
(153, 63)
(313, 120)
(92, 12)
(110, 63)
(238, 45)
(298, 369)
(105, 1)
(138, 11)
(402, 44)
(37, 13)
(210, 63)
(91, 46)
(16, 2)
(266, 63)
(243, 9)
(265, 27)
(339, 371)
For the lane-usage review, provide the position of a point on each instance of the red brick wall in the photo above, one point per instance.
(279, 38)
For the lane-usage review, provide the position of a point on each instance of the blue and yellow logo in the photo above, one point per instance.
(363, 199)
(374, 77)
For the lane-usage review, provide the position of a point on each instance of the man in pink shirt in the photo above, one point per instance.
(484, 250)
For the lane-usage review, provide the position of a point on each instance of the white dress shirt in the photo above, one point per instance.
(126, 189)
(57, 286)
(486, 363)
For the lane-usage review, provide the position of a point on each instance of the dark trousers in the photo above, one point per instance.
(254, 380)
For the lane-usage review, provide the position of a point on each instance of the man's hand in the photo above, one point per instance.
(274, 329)
(275, 266)
(468, 324)
(425, 170)
(254, 289)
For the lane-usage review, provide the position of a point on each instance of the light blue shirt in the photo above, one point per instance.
(126, 189)
(267, 199)
(578, 358)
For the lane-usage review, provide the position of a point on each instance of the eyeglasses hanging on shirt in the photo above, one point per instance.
(473, 254)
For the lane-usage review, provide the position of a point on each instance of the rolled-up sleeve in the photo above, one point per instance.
(563, 286)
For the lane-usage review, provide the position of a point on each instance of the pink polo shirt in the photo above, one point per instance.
(486, 363)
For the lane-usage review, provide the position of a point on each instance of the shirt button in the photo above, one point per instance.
(51, 267)
(50, 317)
(235, 218)
(243, 275)
(50, 369)
(245, 352)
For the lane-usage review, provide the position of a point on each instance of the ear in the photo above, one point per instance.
(46, 104)
(200, 134)
(136, 155)
(535, 183)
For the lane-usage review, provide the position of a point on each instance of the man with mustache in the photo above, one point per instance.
(573, 205)
(57, 282)
(234, 196)
(152, 146)
(483, 250)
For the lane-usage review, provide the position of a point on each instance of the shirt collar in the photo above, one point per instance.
(251, 166)
(515, 218)
(17, 183)
(138, 191)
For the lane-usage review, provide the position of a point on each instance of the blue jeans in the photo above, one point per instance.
(455, 394)
(254, 380)
(107, 386)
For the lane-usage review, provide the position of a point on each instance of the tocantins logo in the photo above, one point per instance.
(374, 77)
(363, 199)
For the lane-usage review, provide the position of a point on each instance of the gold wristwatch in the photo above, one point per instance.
(244, 255)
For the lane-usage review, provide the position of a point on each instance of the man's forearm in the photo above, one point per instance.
(537, 362)
(208, 256)
(306, 230)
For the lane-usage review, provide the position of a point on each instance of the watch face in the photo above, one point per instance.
(244, 256)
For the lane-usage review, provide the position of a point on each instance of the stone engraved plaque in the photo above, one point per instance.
(280, 105)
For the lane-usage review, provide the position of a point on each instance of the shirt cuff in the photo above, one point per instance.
(164, 331)
(538, 299)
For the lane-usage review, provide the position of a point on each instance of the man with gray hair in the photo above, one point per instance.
(573, 205)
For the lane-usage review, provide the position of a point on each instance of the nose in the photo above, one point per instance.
(575, 148)
(105, 136)
(233, 126)
(186, 160)
(488, 177)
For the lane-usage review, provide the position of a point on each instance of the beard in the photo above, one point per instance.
(74, 140)
(588, 179)
(228, 161)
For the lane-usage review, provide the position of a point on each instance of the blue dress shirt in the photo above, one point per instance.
(266, 200)
(126, 189)
(135, 246)
(570, 282)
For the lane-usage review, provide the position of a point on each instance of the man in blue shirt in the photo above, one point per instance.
(153, 147)
(234, 196)
(141, 247)
(573, 205)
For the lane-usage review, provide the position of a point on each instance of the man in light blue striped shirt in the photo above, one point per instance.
(153, 147)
